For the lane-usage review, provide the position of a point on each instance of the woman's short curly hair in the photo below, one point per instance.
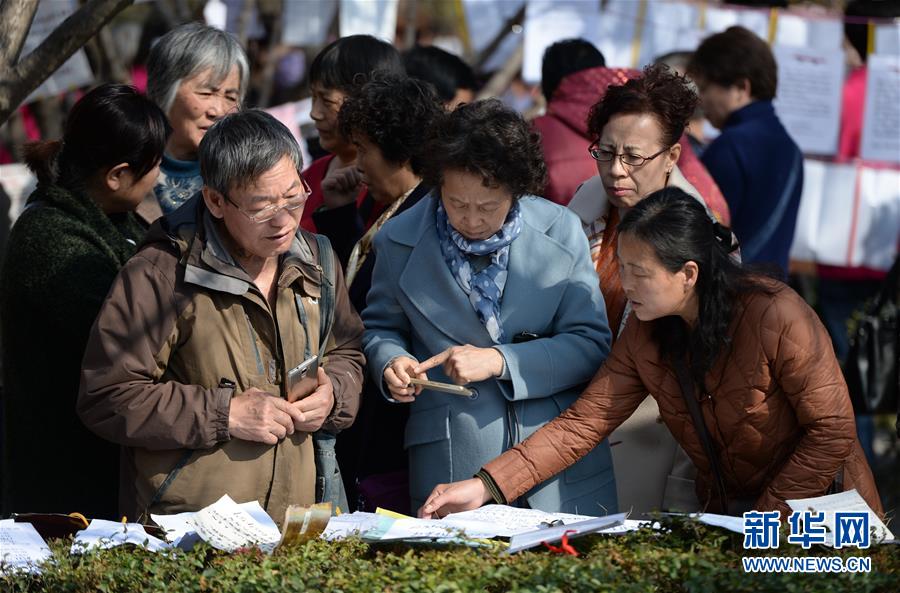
(394, 113)
(661, 92)
(487, 139)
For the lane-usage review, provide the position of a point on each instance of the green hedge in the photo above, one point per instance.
(684, 557)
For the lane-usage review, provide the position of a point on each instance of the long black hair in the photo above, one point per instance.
(111, 124)
(678, 230)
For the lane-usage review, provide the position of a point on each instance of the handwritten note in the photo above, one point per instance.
(436, 529)
(104, 534)
(506, 521)
(365, 525)
(881, 118)
(21, 547)
(368, 17)
(182, 533)
(226, 526)
(810, 84)
(849, 501)
(549, 21)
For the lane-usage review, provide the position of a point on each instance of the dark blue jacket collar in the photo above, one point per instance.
(755, 110)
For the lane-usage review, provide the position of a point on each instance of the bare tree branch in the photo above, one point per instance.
(503, 77)
(16, 16)
(18, 82)
(488, 51)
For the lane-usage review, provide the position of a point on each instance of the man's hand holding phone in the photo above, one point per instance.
(316, 406)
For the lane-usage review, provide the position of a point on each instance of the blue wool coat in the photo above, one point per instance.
(416, 308)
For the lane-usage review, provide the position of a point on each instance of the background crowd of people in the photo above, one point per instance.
(189, 308)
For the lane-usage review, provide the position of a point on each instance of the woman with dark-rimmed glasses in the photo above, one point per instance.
(635, 130)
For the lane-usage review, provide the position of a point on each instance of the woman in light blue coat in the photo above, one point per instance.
(484, 285)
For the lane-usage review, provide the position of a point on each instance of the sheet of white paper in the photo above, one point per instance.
(436, 529)
(179, 529)
(505, 521)
(109, 534)
(21, 547)
(616, 33)
(810, 86)
(719, 18)
(76, 71)
(825, 218)
(881, 118)
(820, 33)
(369, 17)
(181, 532)
(668, 27)
(365, 525)
(523, 541)
(226, 526)
(849, 501)
(549, 21)
(735, 524)
(627, 526)
(306, 23)
(887, 39)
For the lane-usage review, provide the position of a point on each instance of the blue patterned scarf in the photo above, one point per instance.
(484, 288)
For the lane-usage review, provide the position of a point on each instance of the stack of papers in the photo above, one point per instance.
(21, 547)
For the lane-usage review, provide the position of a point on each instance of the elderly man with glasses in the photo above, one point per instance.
(193, 363)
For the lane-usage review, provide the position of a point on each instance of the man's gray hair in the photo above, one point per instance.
(242, 146)
(185, 52)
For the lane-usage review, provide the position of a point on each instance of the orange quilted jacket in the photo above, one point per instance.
(776, 406)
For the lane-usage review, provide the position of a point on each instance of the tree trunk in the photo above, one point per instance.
(16, 16)
(18, 80)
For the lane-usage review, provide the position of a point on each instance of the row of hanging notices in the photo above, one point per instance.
(808, 48)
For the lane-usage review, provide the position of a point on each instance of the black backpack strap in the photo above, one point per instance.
(327, 298)
(688, 392)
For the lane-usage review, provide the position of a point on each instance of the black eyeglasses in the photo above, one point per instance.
(271, 211)
(632, 160)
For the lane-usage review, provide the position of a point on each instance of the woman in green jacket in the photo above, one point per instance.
(64, 251)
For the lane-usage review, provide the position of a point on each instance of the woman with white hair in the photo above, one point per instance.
(197, 75)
